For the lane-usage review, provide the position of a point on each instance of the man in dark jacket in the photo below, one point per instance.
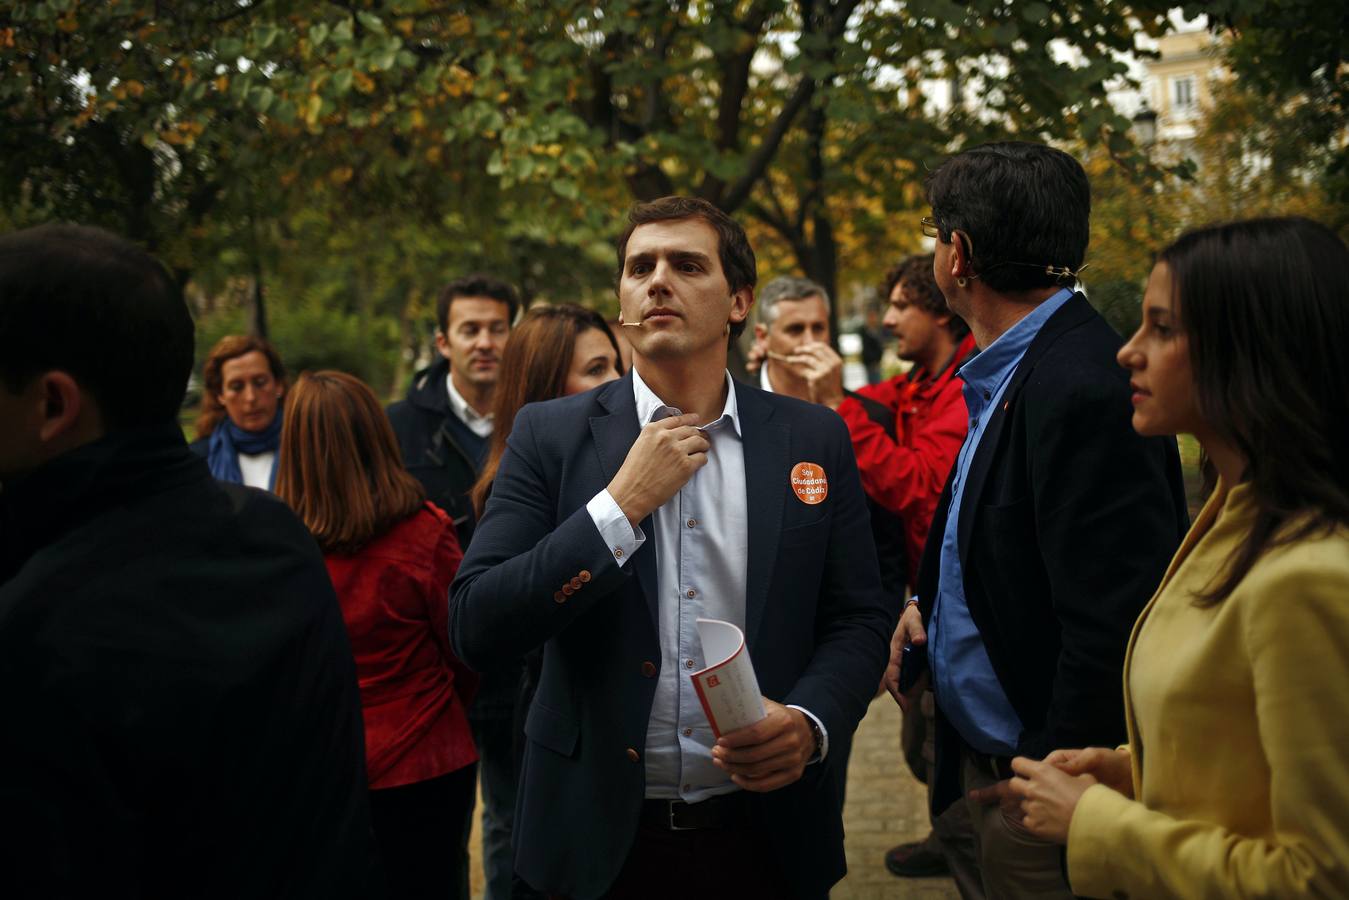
(1058, 519)
(444, 428)
(180, 703)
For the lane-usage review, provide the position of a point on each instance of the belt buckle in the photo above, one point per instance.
(673, 826)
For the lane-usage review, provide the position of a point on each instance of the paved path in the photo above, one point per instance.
(886, 806)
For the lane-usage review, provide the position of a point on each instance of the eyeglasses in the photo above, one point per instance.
(933, 230)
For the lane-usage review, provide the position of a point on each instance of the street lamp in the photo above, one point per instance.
(1145, 125)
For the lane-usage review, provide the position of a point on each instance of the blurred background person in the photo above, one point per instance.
(239, 426)
(906, 431)
(555, 351)
(792, 312)
(1234, 781)
(391, 556)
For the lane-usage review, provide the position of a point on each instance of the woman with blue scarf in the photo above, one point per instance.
(239, 428)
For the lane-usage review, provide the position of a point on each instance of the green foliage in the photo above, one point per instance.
(1292, 57)
(351, 158)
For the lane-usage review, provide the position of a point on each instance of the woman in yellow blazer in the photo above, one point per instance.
(1235, 780)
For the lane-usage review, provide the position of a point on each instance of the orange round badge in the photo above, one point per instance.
(809, 483)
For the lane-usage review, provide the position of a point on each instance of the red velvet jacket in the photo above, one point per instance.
(395, 601)
(906, 475)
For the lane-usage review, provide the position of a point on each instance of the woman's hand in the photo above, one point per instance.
(1048, 797)
(1112, 768)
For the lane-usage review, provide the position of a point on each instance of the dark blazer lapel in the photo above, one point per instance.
(1072, 314)
(614, 435)
(766, 444)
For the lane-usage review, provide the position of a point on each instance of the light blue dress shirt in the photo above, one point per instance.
(963, 681)
(702, 551)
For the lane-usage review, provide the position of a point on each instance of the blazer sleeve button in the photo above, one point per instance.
(576, 584)
(559, 597)
(649, 669)
(584, 575)
(634, 755)
(568, 589)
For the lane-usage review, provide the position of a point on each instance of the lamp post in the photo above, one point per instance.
(1145, 125)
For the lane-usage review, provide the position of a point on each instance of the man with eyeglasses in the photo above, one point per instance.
(1057, 522)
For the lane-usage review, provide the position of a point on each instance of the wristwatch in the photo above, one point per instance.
(818, 735)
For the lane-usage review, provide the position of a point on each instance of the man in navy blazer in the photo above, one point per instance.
(1057, 521)
(619, 516)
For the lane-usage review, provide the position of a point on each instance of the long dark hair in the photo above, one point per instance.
(534, 367)
(1265, 308)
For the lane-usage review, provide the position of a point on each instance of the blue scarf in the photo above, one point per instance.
(229, 440)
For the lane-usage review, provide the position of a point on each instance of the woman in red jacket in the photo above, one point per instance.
(391, 556)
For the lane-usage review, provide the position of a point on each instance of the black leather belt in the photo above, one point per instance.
(724, 811)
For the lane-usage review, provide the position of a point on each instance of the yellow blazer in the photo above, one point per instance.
(1238, 721)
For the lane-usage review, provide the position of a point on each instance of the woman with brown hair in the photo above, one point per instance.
(1235, 780)
(391, 556)
(555, 351)
(239, 426)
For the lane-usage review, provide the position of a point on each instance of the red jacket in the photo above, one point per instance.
(906, 475)
(395, 601)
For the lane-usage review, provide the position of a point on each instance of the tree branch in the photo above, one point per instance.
(835, 24)
(758, 161)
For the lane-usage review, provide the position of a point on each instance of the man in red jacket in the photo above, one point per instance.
(906, 433)
(904, 468)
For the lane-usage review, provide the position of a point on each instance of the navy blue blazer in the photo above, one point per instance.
(1067, 523)
(818, 626)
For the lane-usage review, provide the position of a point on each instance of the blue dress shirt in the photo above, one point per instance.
(966, 688)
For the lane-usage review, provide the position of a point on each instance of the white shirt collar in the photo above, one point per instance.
(765, 383)
(651, 408)
(479, 424)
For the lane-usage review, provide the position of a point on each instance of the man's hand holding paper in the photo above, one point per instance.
(769, 754)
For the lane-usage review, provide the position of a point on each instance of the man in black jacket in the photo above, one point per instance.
(1058, 520)
(444, 428)
(181, 716)
(444, 425)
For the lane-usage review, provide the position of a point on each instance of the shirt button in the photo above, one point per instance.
(987, 395)
(692, 522)
(688, 732)
(687, 788)
(618, 553)
(688, 664)
(634, 755)
(691, 594)
(649, 669)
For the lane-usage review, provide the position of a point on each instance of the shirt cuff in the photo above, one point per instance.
(617, 532)
(824, 733)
